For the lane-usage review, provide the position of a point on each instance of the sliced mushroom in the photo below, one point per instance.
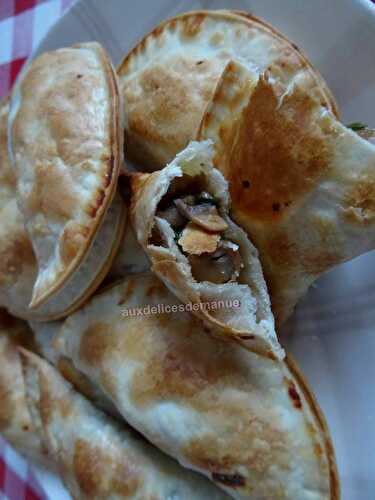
(205, 197)
(204, 215)
(189, 199)
(173, 216)
(219, 267)
(195, 240)
(233, 249)
(157, 238)
(368, 134)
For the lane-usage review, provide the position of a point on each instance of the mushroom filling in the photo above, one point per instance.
(219, 267)
(199, 232)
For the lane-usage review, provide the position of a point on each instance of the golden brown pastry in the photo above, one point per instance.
(301, 183)
(170, 76)
(18, 264)
(248, 423)
(43, 417)
(18, 267)
(96, 457)
(16, 423)
(66, 150)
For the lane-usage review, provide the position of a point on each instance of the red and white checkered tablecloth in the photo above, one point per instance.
(17, 481)
(23, 23)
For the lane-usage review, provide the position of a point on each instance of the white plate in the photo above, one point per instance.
(332, 333)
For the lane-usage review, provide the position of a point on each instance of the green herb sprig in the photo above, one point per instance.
(356, 126)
